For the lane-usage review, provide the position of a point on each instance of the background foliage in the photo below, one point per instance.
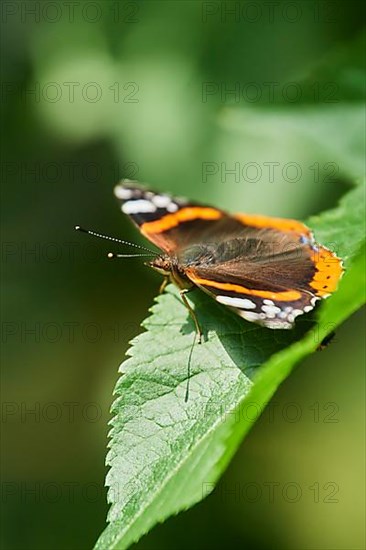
(61, 157)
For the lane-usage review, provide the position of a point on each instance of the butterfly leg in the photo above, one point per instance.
(190, 289)
(192, 313)
(163, 285)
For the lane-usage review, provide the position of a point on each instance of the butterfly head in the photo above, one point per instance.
(161, 264)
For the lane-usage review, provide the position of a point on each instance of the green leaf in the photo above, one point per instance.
(166, 454)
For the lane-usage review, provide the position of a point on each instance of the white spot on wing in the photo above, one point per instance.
(250, 316)
(296, 312)
(236, 302)
(172, 207)
(161, 201)
(139, 206)
(123, 193)
(271, 311)
(278, 324)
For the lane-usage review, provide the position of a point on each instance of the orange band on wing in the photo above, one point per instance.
(328, 271)
(282, 224)
(286, 296)
(184, 215)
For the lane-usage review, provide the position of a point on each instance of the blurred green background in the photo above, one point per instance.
(201, 99)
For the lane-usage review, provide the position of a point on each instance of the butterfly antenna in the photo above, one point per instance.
(108, 238)
(112, 255)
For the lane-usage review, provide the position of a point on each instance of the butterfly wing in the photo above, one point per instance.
(269, 270)
(267, 274)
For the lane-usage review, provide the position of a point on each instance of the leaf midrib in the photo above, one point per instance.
(173, 471)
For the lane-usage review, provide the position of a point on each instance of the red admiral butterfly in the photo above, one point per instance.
(268, 270)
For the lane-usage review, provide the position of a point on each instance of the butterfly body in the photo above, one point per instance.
(268, 270)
